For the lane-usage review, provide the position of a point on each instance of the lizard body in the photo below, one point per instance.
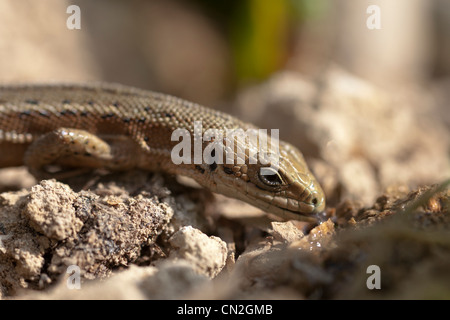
(119, 128)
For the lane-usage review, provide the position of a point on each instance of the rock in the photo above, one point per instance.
(55, 226)
(173, 280)
(207, 254)
(50, 210)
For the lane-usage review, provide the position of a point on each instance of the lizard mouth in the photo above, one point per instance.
(302, 212)
(288, 209)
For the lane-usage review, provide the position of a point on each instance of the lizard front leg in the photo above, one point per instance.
(70, 148)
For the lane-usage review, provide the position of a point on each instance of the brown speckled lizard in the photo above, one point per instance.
(119, 128)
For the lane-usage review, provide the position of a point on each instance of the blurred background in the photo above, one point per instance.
(362, 104)
(205, 50)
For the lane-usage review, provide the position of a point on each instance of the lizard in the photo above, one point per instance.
(101, 125)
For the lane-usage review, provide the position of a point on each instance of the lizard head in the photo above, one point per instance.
(287, 188)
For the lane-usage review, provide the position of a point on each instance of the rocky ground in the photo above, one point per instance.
(381, 158)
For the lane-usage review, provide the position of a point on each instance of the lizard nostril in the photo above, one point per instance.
(315, 201)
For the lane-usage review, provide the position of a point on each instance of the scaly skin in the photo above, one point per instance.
(119, 128)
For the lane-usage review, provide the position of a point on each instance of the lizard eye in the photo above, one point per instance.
(269, 176)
